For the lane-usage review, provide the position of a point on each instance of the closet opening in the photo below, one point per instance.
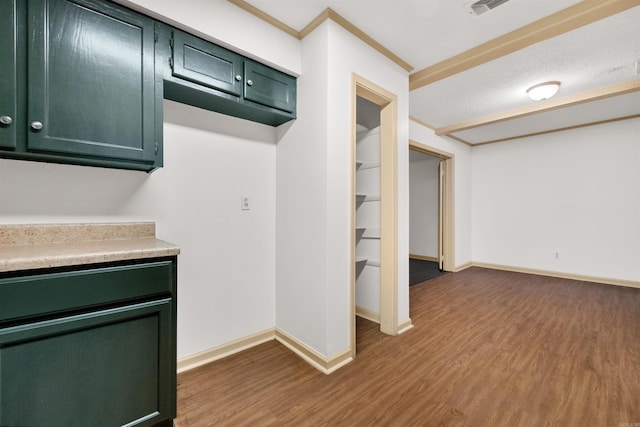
(374, 247)
(431, 210)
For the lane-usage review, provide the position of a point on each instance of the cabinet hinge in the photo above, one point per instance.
(156, 148)
(155, 37)
(171, 42)
(171, 62)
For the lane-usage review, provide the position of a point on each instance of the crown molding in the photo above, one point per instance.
(328, 13)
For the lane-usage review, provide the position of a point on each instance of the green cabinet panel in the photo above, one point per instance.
(93, 357)
(269, 87)
(205, 63)
(98, 369)
(8, 73)
(91, 80)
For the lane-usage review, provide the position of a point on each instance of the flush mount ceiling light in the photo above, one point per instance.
(543, 91)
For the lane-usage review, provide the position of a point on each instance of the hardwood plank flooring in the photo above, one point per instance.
(488, 348)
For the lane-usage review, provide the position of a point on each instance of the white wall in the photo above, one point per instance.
(462, 185)
(226, 269)
(575, 192)
(423, 204)
(313, 303)
(301, 245)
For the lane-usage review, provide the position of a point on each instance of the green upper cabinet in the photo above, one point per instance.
(205, 63)
(269, 87)
(82, 82)
(205, 75)
(91, 82)
(8, 73)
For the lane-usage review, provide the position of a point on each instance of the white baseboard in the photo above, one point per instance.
(404, 326)
(324, 364)
(224, 350)
(367, 314)
(463, 267)
(560, 275)
(424, 257)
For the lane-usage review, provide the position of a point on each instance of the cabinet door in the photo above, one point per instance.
(91, 81)
(107, 368)
(202, 62)
(8, 74)
(269, 87)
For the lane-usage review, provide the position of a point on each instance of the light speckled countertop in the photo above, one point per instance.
(27, 246)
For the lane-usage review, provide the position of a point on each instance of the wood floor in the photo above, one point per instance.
(489, 348)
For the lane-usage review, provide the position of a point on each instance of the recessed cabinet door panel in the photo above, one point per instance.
(91, 80)
(205, 63)
(108, 368)
(8, 74)
(269, 87)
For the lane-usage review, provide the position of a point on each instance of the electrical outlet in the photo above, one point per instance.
(244, 203)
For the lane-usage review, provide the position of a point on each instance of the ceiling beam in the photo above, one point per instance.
(576, 16)
(544, 132)
(544, 106)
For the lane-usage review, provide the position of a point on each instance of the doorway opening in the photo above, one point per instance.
(374, 227)
(439, 222)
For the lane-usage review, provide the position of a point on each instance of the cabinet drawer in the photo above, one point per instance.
(205, 63)
(43, 294)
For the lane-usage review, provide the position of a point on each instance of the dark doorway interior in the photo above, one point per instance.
(421, 271)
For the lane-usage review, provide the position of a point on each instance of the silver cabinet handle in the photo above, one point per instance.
(238, 77)
(249, 82)
(36, 125)
(6, 120)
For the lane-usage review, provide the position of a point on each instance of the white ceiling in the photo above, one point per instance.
(426, 32)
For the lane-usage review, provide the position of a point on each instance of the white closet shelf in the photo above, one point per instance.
(362, 165)
(360, 198)
(373, 262)
(370, 233)
(360, 259)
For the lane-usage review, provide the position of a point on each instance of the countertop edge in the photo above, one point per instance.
(38, 256)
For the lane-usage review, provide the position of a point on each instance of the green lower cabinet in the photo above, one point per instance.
(114, 365)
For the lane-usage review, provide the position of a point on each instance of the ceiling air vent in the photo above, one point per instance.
(482, 6)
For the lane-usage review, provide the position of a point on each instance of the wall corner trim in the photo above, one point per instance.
(224, 350)
(324, 364)
(367, 314)
(459, 268)
(404, 326)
